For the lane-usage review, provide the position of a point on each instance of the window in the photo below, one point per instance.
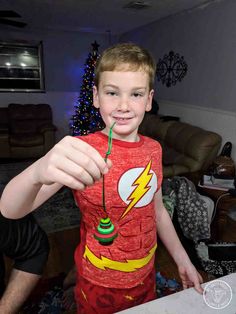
(21, 67)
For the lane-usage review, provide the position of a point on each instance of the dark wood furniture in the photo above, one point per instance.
(224, 202)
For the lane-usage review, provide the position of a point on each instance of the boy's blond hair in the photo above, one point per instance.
(126, 57)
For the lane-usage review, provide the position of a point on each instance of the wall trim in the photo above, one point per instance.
(189, 106)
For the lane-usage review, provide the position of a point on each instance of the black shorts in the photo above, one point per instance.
(25, 242)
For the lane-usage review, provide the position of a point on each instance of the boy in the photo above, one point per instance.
(121, 275)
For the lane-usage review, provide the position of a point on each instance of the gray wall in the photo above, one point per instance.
(64, 54)
(206, 38)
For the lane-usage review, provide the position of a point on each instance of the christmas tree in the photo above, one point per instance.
(87, 118)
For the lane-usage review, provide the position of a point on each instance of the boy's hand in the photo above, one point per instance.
(190, 277)
(71, 162)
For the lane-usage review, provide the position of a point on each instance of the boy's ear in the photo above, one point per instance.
(149, 101)
(95, 97)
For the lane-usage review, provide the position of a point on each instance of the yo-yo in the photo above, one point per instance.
(105, 232)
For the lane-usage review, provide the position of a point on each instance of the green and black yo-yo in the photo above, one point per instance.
(105, 232)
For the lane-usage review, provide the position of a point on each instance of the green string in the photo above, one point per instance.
(109, 142)
(106, 156)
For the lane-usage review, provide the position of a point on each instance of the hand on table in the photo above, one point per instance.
(190, 277)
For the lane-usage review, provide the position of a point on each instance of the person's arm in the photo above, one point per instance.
(166, 231)
(24, 242)
(18, 289)
(71, 162)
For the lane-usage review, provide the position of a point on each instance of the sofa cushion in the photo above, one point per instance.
(198, 147)
(26, 140)
(169, 154)
(26, 131)
(28, 118)
(174, 170)
(179, 135)
(29, 112)
(186, 148)
(154, 127)
(30, 126)
(4, 128)
(23, 126)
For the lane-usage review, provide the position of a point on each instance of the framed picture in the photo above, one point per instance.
(21, 67)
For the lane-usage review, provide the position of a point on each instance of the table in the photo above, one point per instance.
(187, 301)
(224, 204)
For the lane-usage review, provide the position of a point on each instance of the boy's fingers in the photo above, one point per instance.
(77, 158)
(200, 278)
(197, 283)
(184, 284)
(81, 168)
(198, 287)
(67, 180)
(92, 153)
(109, 163)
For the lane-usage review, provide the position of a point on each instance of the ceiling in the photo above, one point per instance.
(98, 16)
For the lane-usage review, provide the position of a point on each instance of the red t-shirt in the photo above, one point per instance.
(130, 185)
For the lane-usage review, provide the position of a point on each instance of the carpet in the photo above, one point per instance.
(56, 214)
(46, 298)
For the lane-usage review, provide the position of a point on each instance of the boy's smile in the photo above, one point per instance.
(123, 97)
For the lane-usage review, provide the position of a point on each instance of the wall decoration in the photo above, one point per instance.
(171, 69)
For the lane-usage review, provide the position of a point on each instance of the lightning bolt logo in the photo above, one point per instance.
(141, 189)
(126, 266)
(84, 295)
(129, 297)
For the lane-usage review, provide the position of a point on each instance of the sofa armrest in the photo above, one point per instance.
(195, 176)
(186, 148)
(4, 144)
(4, 128)
(197, 147)
(154, 127)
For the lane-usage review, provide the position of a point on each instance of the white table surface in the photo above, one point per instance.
(186, 302)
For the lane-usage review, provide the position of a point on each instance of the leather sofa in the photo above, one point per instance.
(187, 150)
(26, 131)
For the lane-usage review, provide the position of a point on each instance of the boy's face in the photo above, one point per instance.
(123, 97)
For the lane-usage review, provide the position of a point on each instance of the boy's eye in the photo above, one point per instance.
(138, 94)
(111, 93)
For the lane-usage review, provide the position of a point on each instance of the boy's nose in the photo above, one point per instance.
(123, 104)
